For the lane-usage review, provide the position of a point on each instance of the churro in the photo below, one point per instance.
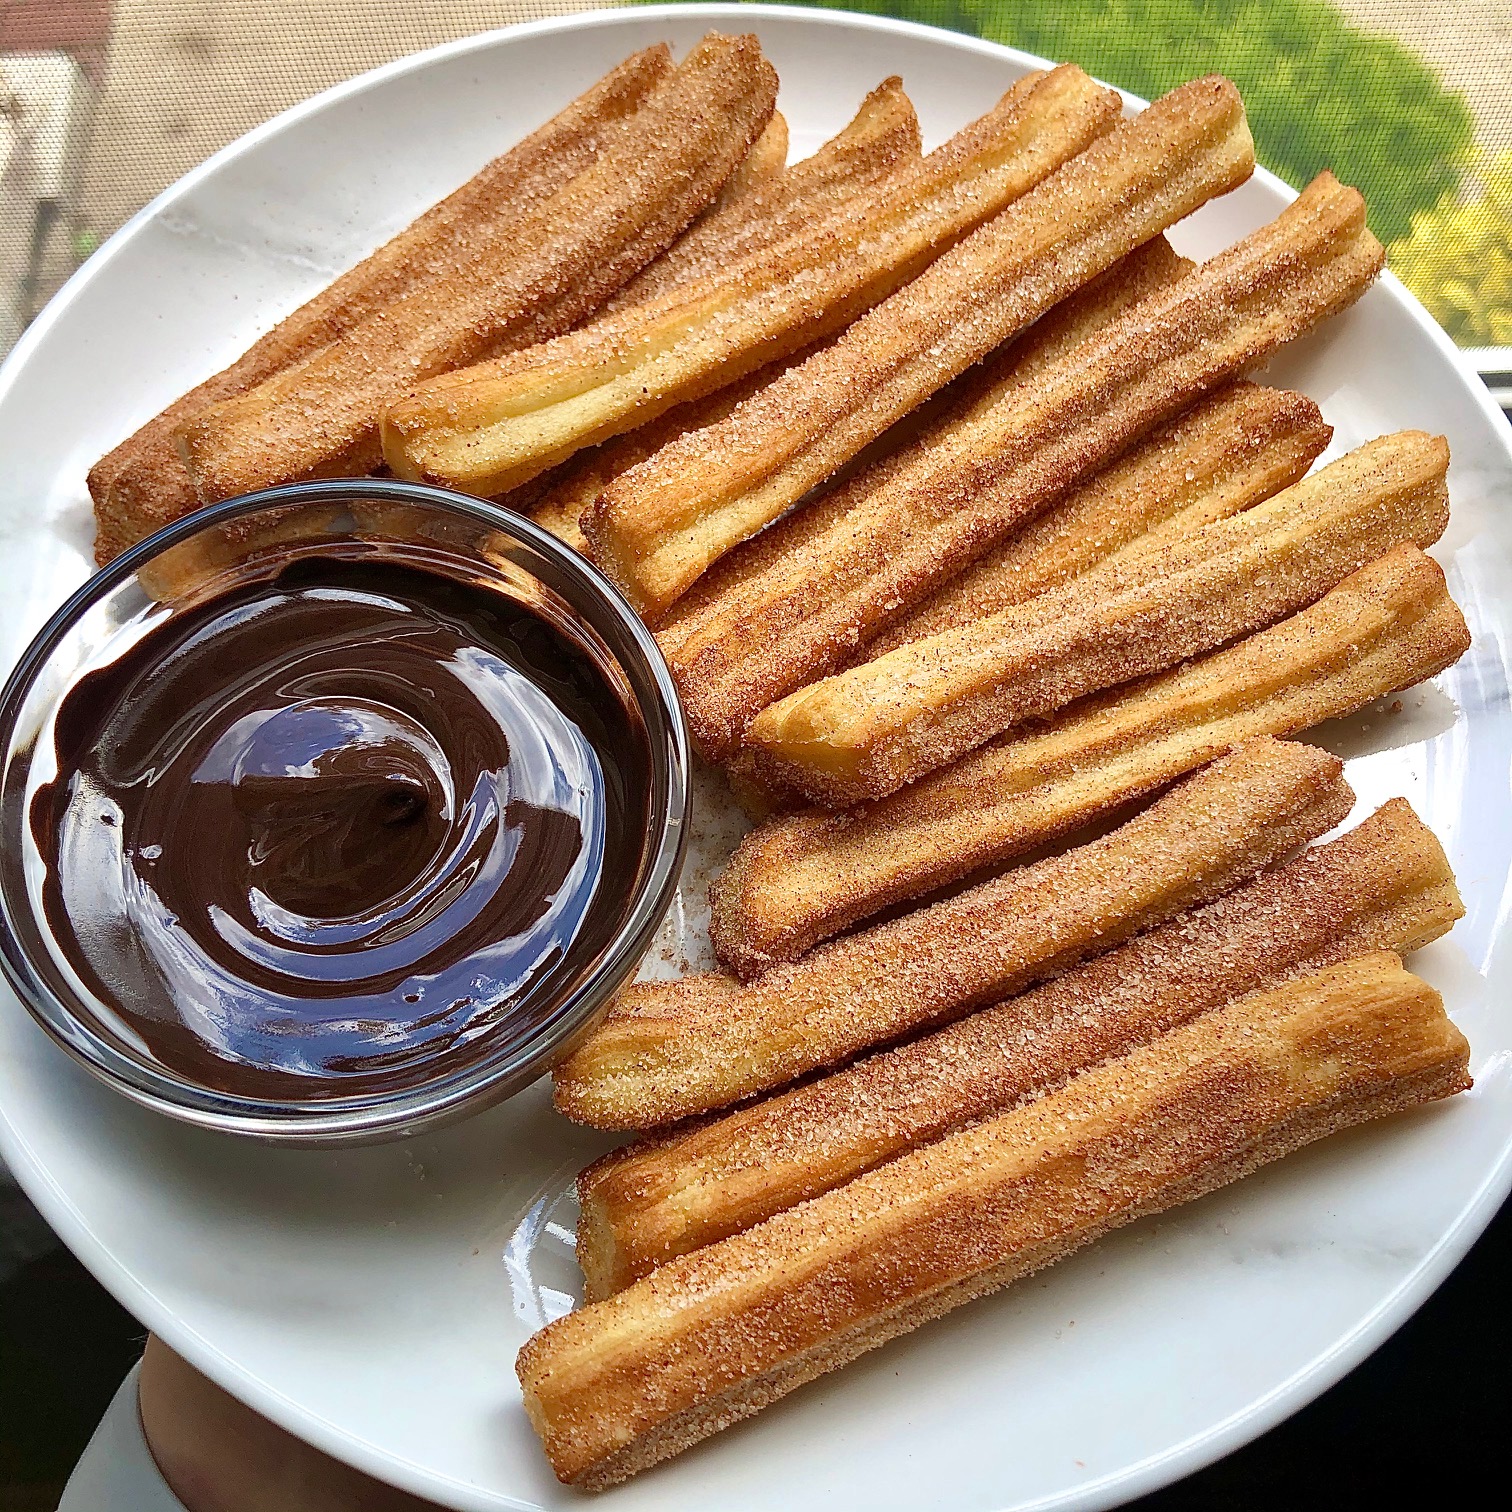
(806, 875)
(761, 166)
(670, 1049)
(557, 263)
(1386, 885)
(878, 146)
(865, 732)
(714, 1336)
(662, 525)
(840, 571)
(143, 484)
(571, 489)
(1238, 446)
(497, 424)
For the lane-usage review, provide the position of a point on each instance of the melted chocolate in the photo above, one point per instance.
(318, 834)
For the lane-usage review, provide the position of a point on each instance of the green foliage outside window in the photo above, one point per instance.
(1458, 259)
(1319, 93)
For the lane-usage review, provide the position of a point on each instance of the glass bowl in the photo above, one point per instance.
(251, 538)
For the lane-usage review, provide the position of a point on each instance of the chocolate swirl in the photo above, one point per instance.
(322, 833)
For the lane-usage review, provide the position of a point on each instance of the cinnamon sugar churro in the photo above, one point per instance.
(1241, 444)
(806, 875)
(714, 1336)
(866, 732)
(840, 571)
(573, 487)
(555, 264)
(877, 148)
(143, 484)
(497, 424)
(659, 527)
(1386, 885)
(667, 1050)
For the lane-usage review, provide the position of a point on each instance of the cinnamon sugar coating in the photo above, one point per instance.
(1241, 444)
(658, 528)
(878, 147)
(841, 571)
(499, 423)
(143, 484)
(865, 732)
(806, 875)
(712, 1337)
(670, 1049)
(1385, 885)
(552, 266)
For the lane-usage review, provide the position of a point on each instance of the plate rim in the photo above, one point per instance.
(72, 1225)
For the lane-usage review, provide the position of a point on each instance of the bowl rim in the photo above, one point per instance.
(361, 1118)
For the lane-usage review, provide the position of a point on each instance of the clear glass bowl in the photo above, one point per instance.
(226, 544)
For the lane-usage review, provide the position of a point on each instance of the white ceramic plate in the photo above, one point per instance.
(372, 1301)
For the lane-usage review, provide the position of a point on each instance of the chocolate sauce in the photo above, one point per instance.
(317, 835)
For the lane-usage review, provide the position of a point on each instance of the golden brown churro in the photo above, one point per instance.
(803, 876)
(143, 484)
(659, 527)
(500, 423)
(764, 163)
(877, 148)
(1236, 447)
(880, 144)
(571, 489)
(1386, 885)
(866, 732)
(557, 263)
(714, 1336)
(840, 571)
(669, 1049)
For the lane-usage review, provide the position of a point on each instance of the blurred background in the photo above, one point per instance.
(103, 103)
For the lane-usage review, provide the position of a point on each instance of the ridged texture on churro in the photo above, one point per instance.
(670, 1049)
(806, 875)
(1386, 885)
(765, 162)
(841, 571)
(1236, 447)
(1149, 267)
(143, 484)
(571, 489)
(654, 534)
(499, 423)
(714, 1336)
(879, 145)
(865, 732)
(556, 263)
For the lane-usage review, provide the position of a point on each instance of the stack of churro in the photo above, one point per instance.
(965, 535)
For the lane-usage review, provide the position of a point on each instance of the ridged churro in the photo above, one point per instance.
(662, 525)
(497, 424)
(840, 571)
(878, 146)
(670, 1049)
(1148, 268)
(714, 1336)
(557, 263)
(1386, 885)
(865, 732)
(1238, 446)
(804, 876)
(765, 162)
(571, 489)
(143, 484)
